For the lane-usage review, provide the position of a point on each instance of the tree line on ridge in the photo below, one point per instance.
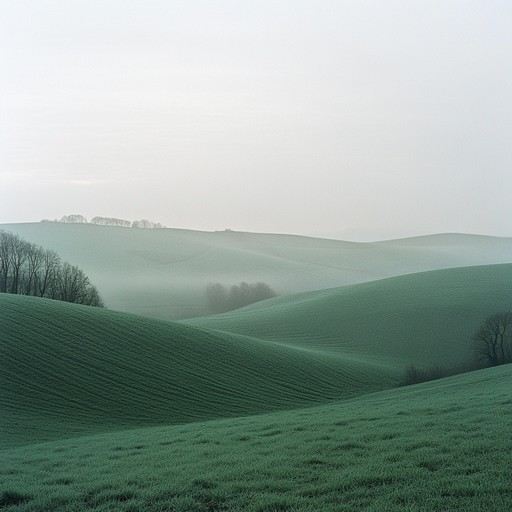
(107, 221)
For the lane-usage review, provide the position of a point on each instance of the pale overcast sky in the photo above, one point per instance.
(356, 118)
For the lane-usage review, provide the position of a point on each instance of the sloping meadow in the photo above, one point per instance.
(102, 410)
(441, 445)
(71, 370)
(423, 319)
(68, 370)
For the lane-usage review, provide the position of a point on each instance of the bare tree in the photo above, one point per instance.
(5, 261)
(28, 269)
(18, 255)
(142, 224)
(493, 339)
(92, 297)
(35, 260)
(261, 291)
(74, 219)
(47, 277)
(146, 224)
(72, 284)
(111, 221)
(217, 296)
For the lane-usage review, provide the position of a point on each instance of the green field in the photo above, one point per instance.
(424, 318)
(438, 446)
(281, 353)
(163, 273)
(68, 370)
(290, 404)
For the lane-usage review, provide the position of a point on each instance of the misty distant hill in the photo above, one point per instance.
(163, 273)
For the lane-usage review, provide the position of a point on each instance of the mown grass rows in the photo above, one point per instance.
(437, 446)
(67, 369)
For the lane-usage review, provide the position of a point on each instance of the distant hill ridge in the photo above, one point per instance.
(163, 273)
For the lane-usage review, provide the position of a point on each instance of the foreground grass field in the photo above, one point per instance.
(163, 273)
(67, 370)
(438, 446)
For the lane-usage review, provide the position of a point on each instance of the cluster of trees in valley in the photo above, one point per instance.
(28, 269)
(222, 298)
(108, 221)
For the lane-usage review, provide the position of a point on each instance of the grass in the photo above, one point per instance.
(103, 411)
(422, 319)
(438, 446)
(68, 370)
(163, 273)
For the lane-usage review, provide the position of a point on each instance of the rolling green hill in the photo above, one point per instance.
(67, 370)
(103, 410)
(163, 273)
(442, 445)
(423, 318)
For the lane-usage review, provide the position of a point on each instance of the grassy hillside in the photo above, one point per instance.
(163, 273)
(67, 370)
(439, 446)
(421, 318)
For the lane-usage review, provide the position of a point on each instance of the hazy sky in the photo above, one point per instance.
(357, 118)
